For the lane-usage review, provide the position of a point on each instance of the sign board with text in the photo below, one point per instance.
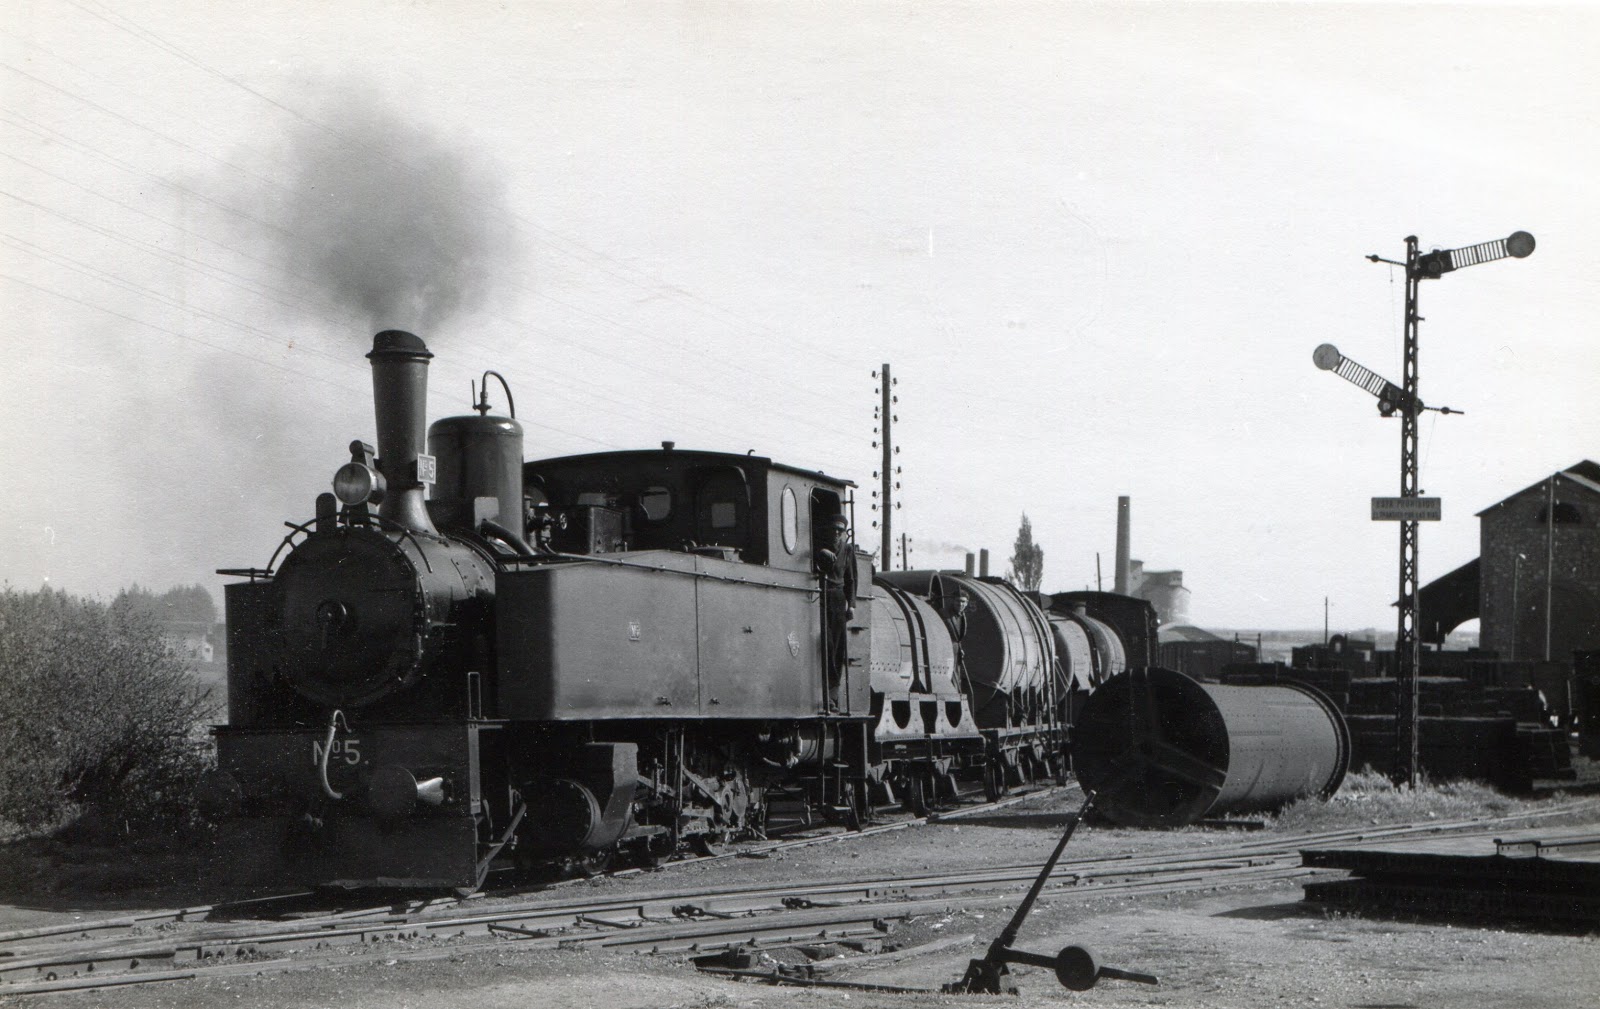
(1406, 509)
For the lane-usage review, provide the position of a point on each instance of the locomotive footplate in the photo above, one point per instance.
(357, 805)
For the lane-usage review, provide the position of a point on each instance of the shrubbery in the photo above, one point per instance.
(97, 711)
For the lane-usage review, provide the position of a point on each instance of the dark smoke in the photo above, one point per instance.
(388, 217)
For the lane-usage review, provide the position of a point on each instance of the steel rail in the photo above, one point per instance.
(745, 899)
(783, 927)
(206, 912)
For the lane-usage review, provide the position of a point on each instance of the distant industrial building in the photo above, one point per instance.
(1164, 589)
(1535, 586)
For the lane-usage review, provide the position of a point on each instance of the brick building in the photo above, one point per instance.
(1539, 568)
(1535, 586)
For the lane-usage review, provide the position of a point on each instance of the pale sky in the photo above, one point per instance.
(1096, 243)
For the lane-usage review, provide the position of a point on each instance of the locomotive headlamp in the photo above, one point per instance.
(356, 483)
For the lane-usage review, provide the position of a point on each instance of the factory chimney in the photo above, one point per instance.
(399, 401)
(1124, 507)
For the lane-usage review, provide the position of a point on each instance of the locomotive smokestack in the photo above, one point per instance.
(1124, 507)
(399, 399)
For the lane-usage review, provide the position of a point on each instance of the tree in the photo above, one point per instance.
(185, 603)
(97, 709)
(1027, 559)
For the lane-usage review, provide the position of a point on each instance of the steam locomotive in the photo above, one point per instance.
(622, 653)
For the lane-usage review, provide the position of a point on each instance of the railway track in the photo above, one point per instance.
(288, 904)
(692, 920)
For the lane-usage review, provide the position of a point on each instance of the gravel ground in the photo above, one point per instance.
(1245, 947)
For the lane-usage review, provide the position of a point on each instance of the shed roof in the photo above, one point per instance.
(1449, 601)
(1585, 474)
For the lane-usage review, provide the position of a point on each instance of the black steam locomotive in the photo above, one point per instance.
(624, 652)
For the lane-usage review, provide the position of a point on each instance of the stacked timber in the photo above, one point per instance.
(1486, 724)
(1475, 749)
(1551, 878)
(1333, 682)
(1586, 690)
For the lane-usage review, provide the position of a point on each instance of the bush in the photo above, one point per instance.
(96, 711)
(1367, 798)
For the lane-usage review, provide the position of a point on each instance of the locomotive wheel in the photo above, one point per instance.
(715, 842)
(592, 864)
(852, 803)
(657, 851)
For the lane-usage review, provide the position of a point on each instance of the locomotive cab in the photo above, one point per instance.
(737, 507)
(642, 555)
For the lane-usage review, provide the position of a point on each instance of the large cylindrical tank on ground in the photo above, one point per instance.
(1006, 646)
(1163, 750)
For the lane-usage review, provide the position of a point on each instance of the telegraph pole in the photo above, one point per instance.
(888, 479)
(887, 471)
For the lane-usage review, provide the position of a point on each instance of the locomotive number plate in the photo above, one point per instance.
(347, 750)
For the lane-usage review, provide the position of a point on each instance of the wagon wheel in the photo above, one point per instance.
(994, 781)
(1024, 768)
(1058, 768)
(852, 805)
(915, 797)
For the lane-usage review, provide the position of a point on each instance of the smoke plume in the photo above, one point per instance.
(388, 217)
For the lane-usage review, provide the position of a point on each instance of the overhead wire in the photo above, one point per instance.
(206, 268)
(654, 285)
(233, 210)
(259, 287)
